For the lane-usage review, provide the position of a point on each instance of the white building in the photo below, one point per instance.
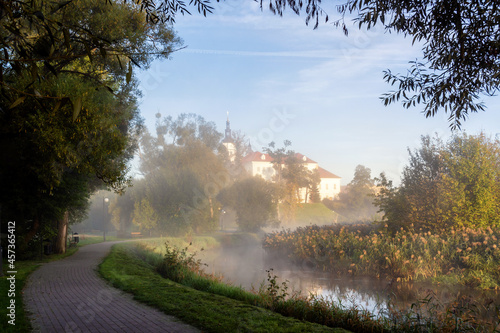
(260, 164)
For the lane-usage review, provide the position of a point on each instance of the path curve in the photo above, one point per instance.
(68, 296)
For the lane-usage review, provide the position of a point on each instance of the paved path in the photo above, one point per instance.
(68, 296)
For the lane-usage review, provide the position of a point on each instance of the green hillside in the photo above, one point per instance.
(314, 213)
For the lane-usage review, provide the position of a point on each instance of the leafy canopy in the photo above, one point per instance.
(355, 202)
(68, 111)
(461, 49)
(253, 200)
(182, 173)
(456, 183)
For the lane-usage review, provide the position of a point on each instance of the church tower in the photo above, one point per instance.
(228, 141)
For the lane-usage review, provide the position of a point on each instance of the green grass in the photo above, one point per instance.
(182, 267)
(314, 213)
(206, 311)
(22, 324)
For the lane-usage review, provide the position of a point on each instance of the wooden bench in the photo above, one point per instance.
(135, 234)
(72, 242)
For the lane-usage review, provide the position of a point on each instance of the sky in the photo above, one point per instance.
(282, 80)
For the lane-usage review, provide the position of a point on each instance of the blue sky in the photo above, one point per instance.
(281, 80)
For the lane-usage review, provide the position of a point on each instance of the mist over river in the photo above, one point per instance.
(247, 266)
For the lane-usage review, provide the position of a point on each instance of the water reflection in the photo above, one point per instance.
(247, 267)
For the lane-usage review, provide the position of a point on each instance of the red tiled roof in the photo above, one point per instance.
(256, 157)
(261, 157)
(326, 174)
(301, 157)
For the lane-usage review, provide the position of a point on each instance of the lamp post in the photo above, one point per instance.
(222, 212)
(105, 200)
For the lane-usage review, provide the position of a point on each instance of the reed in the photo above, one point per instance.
(471, 256)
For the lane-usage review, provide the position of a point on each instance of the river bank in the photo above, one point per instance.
(128, 270)
(397, 314)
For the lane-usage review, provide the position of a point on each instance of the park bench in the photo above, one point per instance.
(135, 234)
(74, 240)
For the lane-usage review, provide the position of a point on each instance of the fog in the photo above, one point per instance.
(248, 265)
(195, 182)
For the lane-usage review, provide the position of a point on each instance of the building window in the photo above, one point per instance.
(258, 169)
(326, 186)
(334, 186)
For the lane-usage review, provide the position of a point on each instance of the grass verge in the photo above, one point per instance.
(207, 311)
(21, 321)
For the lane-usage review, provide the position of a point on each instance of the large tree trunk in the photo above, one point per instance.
(62, 230)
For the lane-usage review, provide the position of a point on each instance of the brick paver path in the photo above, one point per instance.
(68, 296)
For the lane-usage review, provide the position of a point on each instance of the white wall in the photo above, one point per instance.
(329, 188)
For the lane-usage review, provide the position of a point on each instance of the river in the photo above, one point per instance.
(248, 266)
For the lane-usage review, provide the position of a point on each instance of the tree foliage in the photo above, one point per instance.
(446, 184)
(145, 216)
(288, 174)
(293, 180)
(460, 45)
(84, 37)
(253, 200)
(68, 103)
(183, 172)
(472, 181)
(355, 202)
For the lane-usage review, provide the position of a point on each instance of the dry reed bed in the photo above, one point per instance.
(459, 255)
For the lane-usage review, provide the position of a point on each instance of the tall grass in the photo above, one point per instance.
(180, 265)
(464, 255)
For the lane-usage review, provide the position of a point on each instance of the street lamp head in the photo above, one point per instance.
(106, 200)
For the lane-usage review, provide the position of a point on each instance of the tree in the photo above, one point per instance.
(313, 181)
(446, 184)
(121, 209)
(393, 205)
(418, 200)
(296, 176)
(145, 216)
(183, 172)
(355, 203)
(286, 185)
(420, 184)
(461, 58)
(471, 183)
(253, 200)
(68, 101)
(44, 39)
